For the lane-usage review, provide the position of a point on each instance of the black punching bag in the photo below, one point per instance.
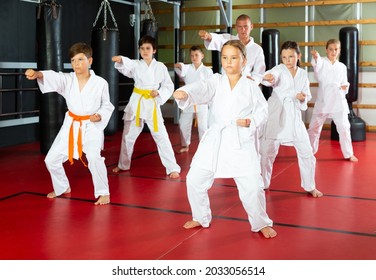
(49, 57)
(149, 27)
(105, 45)
(270, 45)
(350, 57)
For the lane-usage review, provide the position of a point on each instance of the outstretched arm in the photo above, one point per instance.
(180, 95)
(314, 54)
(33, 74)
(117, 59)
(205, 35)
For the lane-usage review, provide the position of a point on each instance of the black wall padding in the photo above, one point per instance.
(350, 57)
(270, 45)
(105, 45)
(49, 57)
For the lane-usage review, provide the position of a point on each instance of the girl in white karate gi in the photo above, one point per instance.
(227, 149)
(284, 125)
(331, 98)
(190, 73)
(152, 88)
(89, 110)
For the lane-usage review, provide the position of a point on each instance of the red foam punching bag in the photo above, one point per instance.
(270, 46)
(49, 57)
(105, 45)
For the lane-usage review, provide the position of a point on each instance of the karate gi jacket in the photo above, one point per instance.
(227, 149)
(94, 98)
(189, 74)
(330, 97)
(285, 118)
(146, 77)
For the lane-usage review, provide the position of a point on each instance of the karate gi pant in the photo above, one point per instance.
(251, 194)
(161, 139)
(185, 125)
(306, 160)
(92, 149)
(342, 123)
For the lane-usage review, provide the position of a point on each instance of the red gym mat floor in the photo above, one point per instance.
(147, 210)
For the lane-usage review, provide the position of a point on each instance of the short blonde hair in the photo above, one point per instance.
(333, 41)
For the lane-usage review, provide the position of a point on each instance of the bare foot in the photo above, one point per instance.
(117, 170)
(268, 232)
(353, 159)
(191, 224)
(316, 193)
(174, 175)
(53, 194)
(184, 150)
(102, 200)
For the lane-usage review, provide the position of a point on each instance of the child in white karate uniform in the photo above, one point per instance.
(331, 98)
(285, 125)
(89, 110)
(191, 73)
(152, 88)
(227, 149)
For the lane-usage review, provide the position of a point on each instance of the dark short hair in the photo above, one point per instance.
(243, 17)
(80, 48)
(291, 45)
(196, 48)
(148, 40)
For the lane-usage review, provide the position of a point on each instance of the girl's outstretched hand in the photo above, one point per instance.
(117, 59)
(180, 95)
(314, 54)
(269, 78)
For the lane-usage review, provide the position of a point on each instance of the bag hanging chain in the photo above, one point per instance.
(53, 5)
(106, 5)
(148, 11)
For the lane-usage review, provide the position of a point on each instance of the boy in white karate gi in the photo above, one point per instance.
(89, 110)
(255, 67)
(227, 149)
(331, 98)
(190, 73)
(152, 88)
(285, 125)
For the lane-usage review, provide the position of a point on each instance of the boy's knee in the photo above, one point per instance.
(92, 157)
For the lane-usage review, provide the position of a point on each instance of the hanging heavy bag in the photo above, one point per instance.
(105, 45)
(270, 45)
(49, 56)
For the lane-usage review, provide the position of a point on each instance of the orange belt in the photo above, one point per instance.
(76, 118)
(196, 120)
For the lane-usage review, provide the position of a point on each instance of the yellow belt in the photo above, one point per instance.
(145, 93)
